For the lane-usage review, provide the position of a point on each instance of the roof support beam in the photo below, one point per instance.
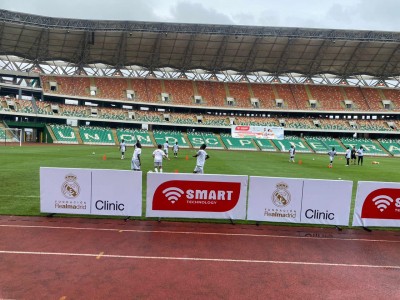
(252, 56)
(155, 56)
(217, 62)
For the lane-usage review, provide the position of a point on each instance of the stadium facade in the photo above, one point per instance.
(157, 76)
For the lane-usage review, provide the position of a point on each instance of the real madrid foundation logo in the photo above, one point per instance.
(281, 196)
(70, 188)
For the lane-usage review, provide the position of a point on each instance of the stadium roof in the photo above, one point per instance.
(212, 48)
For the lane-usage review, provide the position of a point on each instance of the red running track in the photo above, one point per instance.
(71, 258)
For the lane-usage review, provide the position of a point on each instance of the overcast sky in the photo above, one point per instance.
(334, 14)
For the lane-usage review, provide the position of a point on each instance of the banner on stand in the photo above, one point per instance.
(259, 132)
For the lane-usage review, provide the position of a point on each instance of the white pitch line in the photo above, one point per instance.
(229, 260)
(201, 233)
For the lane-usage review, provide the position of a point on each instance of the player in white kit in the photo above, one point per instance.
(176, 149)
(292, 153)
(122, 148)
(135, 164)
(331, 154)
(166, 146)
(201, 159)
(159, 155)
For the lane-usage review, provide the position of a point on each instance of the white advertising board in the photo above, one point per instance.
(196, 196)
(377, 204)
(294, 200)
(86, 191)
(260, 132)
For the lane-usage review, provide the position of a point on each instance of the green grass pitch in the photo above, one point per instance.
(19, 175)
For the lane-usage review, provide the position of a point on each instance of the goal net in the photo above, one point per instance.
(10, 135)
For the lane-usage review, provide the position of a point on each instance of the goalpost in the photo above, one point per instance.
(11, 135)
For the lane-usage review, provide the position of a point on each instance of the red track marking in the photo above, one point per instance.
(111, 259)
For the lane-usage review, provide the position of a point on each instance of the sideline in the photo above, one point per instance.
(201, 233)
(202, 259)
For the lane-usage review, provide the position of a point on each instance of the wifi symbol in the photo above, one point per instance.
(173, 194)
(382, 202)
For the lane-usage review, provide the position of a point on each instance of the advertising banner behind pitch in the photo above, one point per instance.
(259, 132)
(85, 191)
(377, 204)
(196, 196)
(304, 201)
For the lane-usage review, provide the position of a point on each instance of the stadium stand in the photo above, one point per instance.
(44, 108)
(376, 125)
(113, 114)
(284, 92)
(76, 111)
(24, 106)
(218, 98)
(180, 118)
(154, 90)
(285, 144)
(328, 97)
(394, 96)
(240, 92)
(139, 87)
(131, 136)
(300, 94)
(373, 98)
(96, 135)
(256, 121)
(148, 116)
(299, 123)
(265, 95)
(370, 147)
(204, 90)
(7, 137)
(265, 145)
(215, 120)
(181, 91)
(73, 86)
(212, 140)
(391, 145)
(111, 88)
(64, 134)
(161, 136)
(354, 94)
(321, 144)
(208, 138)
(335, 124)
(238, 143)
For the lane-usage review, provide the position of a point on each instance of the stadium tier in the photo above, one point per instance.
(370, 147)
(64, 134)
(265, 145)
(161, 136)
(7, 136)
(310, 123)
(221, 94)
(96, 136)
(210, 139)
(324, 144)
(284, 145)
(238, 143)
(392, 146)
(131, 136)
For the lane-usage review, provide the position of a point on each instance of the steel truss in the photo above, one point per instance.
(12, 65)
